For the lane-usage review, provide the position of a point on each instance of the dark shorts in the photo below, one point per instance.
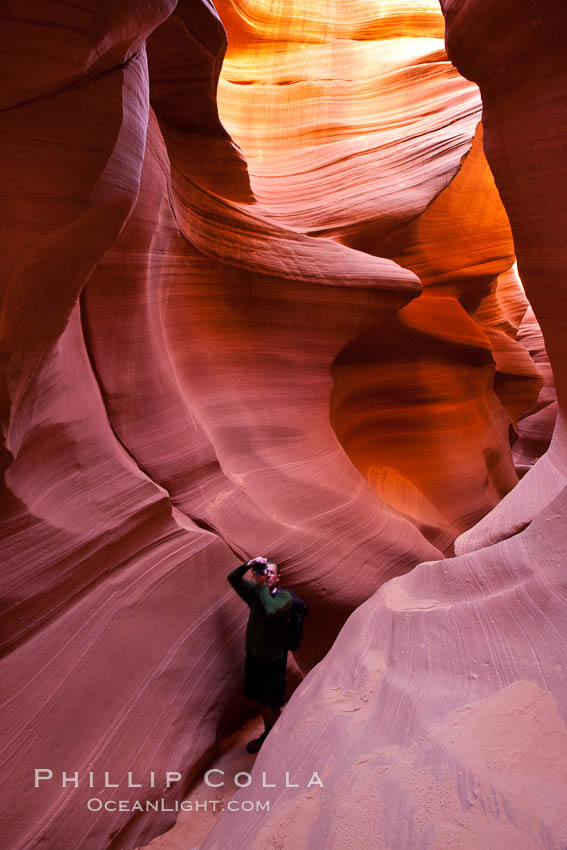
(264, 680)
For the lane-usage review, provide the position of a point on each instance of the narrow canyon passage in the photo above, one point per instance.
(284, 278)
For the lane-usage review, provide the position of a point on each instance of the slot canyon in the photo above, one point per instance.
(284, 278)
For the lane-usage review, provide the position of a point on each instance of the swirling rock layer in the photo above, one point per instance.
(447, 689)
(368, 139)
(187, 328)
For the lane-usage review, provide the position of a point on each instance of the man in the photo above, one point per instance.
(266, 639)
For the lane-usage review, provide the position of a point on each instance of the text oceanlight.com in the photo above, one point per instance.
(95, 804)
(101, 782)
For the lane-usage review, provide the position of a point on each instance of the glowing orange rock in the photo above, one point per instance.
(172, 322)
(439, 714)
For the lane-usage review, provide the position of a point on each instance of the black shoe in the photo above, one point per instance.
(254, 746)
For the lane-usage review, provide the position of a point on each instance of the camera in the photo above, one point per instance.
(259, 569)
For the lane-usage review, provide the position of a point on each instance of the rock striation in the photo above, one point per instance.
(296, 330)
(447, 690)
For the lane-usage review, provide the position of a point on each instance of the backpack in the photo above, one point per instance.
(299, 610)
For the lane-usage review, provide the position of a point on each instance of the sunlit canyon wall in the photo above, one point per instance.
(299, 331)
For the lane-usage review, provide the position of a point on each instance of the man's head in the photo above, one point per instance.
(272, 574)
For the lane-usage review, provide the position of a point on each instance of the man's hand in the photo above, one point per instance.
(258, 578)
(258, 560)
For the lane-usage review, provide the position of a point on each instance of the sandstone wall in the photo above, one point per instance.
(214, 345)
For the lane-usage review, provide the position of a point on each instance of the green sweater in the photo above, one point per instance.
(266, 632)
